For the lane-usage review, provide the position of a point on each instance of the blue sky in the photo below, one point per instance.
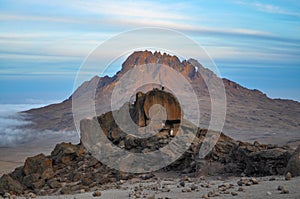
(42, 44)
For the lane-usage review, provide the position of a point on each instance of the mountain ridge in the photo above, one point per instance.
(248, 111)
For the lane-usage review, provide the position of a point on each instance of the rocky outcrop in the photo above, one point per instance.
(68, 169)
(71, 168)
(294, 163)
(144, 103)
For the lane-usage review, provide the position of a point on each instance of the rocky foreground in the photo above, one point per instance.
(275, 187)
(71, 169)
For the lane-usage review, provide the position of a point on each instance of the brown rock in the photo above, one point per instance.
(66, 190)
(97, 194)
(66, 152)
(29, 179)
(234, 193)
(241, 189)
(205, 196)
(54, 184)
(288, 176)
(186, 190)
(254, 181)
(38, 165)
(31, 195)
(284, 191)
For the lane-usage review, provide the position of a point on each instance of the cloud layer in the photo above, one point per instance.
(11, 135)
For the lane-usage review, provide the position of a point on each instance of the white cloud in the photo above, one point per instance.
(269, 8)
(11, 134)
(140, 9)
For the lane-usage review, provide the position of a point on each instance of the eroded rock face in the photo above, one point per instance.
(144, 103)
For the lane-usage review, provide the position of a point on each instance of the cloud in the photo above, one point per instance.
(138, 22)
(11, 133)
(132, 9)
(269, 8)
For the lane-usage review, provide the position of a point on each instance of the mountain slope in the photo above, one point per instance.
(251, 115)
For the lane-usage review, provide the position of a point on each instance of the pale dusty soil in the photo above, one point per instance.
(254, 191)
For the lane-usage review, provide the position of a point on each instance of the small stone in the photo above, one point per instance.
(288, 176)
(205, 185)
(54, 184)
(269, 193)
(182, 183)
(165, 190)
(240, 183)
(241, 189)
(205, 196)
(193, 187)
(280, 187)
(248, 183)
(254, 181)
(185, 178)
(82, 191)
(272, 179)
(97, 194)
(185, 190)
(31, 195)
(146, 176)
(151, 197)
(212, 194)
(285, 191)
(234, 193)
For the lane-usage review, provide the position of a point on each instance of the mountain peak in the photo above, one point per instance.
(246, 108)
(139, 58)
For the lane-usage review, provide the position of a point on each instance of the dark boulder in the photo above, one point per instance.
(294, 163)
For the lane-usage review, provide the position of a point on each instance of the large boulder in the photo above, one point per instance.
(267, 162)
(294, 163)
(65, 153)
(166, 100)
(38, 164)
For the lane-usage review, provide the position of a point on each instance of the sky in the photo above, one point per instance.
(44, 43)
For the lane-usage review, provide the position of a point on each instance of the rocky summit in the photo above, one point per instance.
(72, 169)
